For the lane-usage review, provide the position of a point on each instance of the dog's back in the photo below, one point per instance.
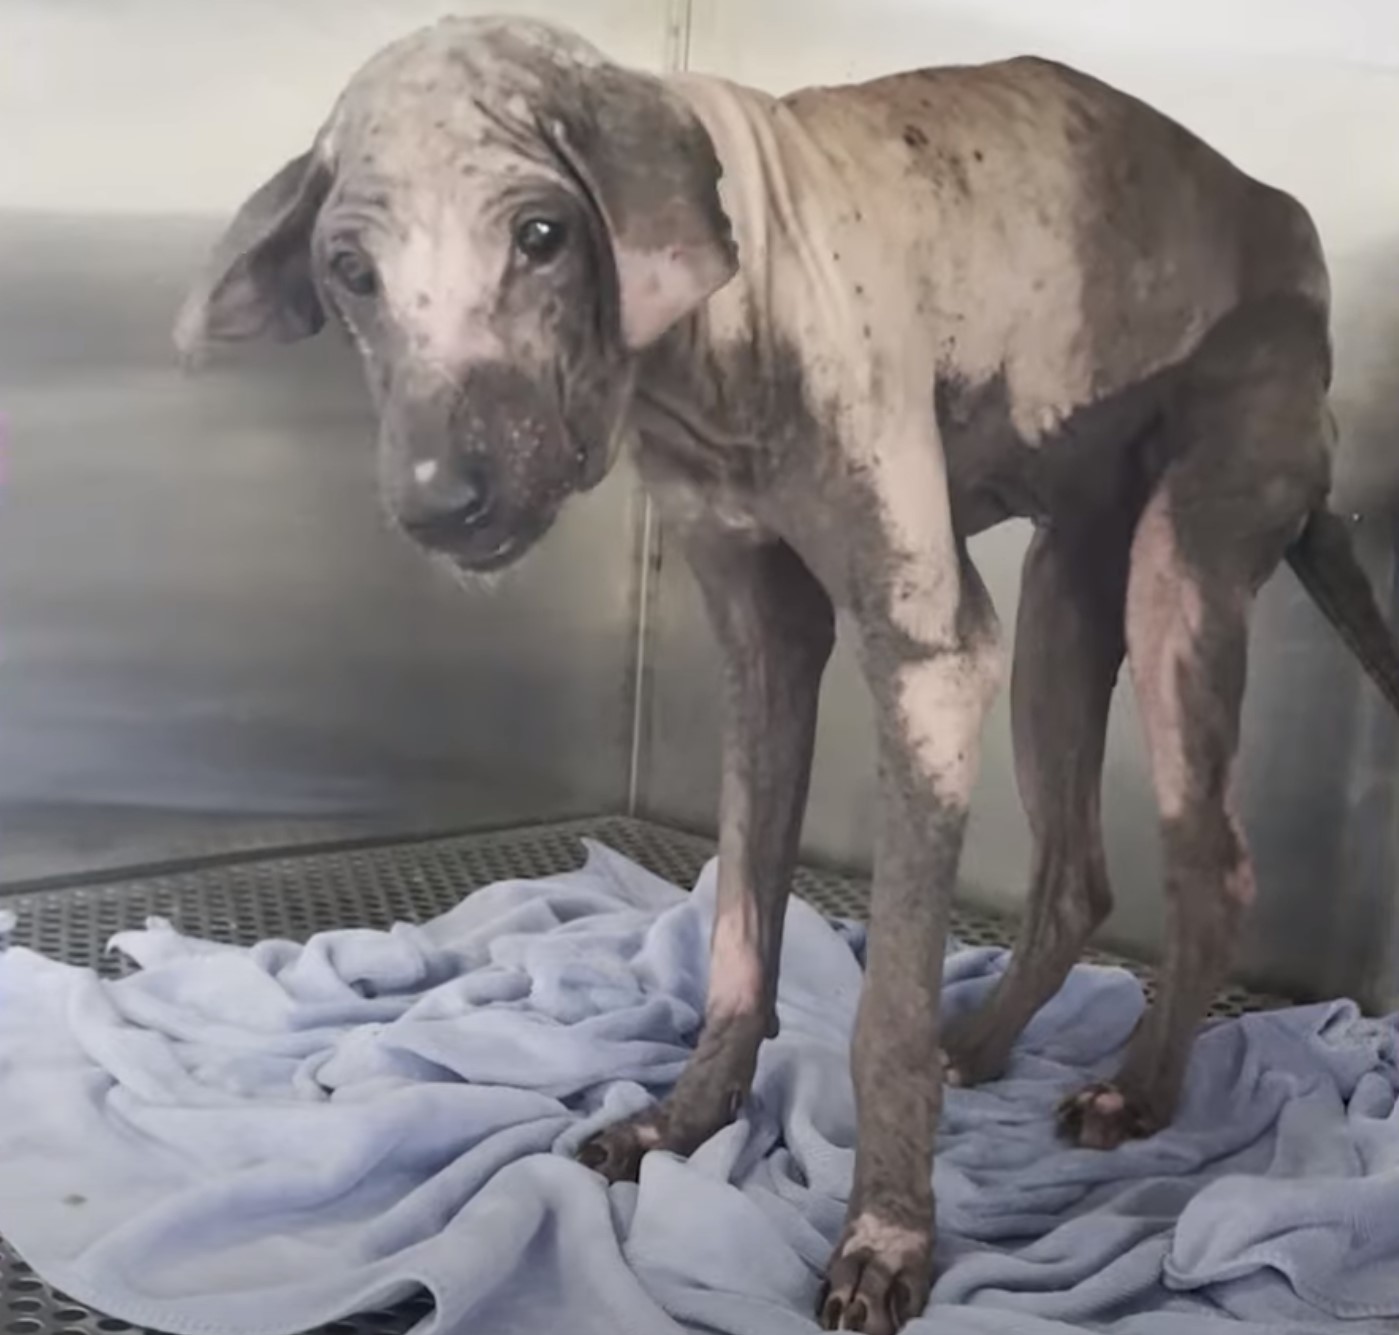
(1038, 193)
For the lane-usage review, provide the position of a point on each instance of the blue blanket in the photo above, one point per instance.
(259, 1141)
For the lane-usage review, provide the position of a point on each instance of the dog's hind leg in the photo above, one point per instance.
(1069, 644)
(1250, 436)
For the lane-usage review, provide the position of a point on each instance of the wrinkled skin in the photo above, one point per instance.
(919, 307)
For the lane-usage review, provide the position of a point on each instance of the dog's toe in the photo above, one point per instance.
(877, 1280)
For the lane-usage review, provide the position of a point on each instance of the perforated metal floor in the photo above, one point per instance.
(294, 895)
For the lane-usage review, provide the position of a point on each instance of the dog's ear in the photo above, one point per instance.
(649, 166)
(259, 282)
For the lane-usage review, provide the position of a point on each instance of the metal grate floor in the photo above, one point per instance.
(294, 895)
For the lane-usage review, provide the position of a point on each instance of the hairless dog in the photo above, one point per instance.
(844, 331)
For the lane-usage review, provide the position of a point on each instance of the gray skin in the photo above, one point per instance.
(844, 331)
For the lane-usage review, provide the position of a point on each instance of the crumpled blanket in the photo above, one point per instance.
(256, 1141)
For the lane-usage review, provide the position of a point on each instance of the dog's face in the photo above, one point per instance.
(501, 219)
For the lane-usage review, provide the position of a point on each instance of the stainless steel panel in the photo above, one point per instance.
(208, 639)
(208, 636)
(1318, 769)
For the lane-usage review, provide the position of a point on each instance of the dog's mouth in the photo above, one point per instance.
(503, 554)
(487, 553)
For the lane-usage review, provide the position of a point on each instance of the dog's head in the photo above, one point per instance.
(502, 219)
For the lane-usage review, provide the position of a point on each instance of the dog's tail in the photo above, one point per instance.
(1324, 560)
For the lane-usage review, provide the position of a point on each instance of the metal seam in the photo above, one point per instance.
(679, 17)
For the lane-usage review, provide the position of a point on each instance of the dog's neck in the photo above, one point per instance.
(718, 388)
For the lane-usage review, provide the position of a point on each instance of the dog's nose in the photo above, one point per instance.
(446, 501)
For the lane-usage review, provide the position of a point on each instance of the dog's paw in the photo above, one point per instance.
(616, 1152)
(878, 1278)
(1103, 1116)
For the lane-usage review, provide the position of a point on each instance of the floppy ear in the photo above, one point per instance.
(651, 170)
(258, 280)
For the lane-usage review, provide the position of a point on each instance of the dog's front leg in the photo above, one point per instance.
(775, 629)
(931, 692)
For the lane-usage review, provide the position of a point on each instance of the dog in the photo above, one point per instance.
(842, 332)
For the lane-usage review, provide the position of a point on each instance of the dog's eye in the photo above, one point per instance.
(539, 240)
(354, 271)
